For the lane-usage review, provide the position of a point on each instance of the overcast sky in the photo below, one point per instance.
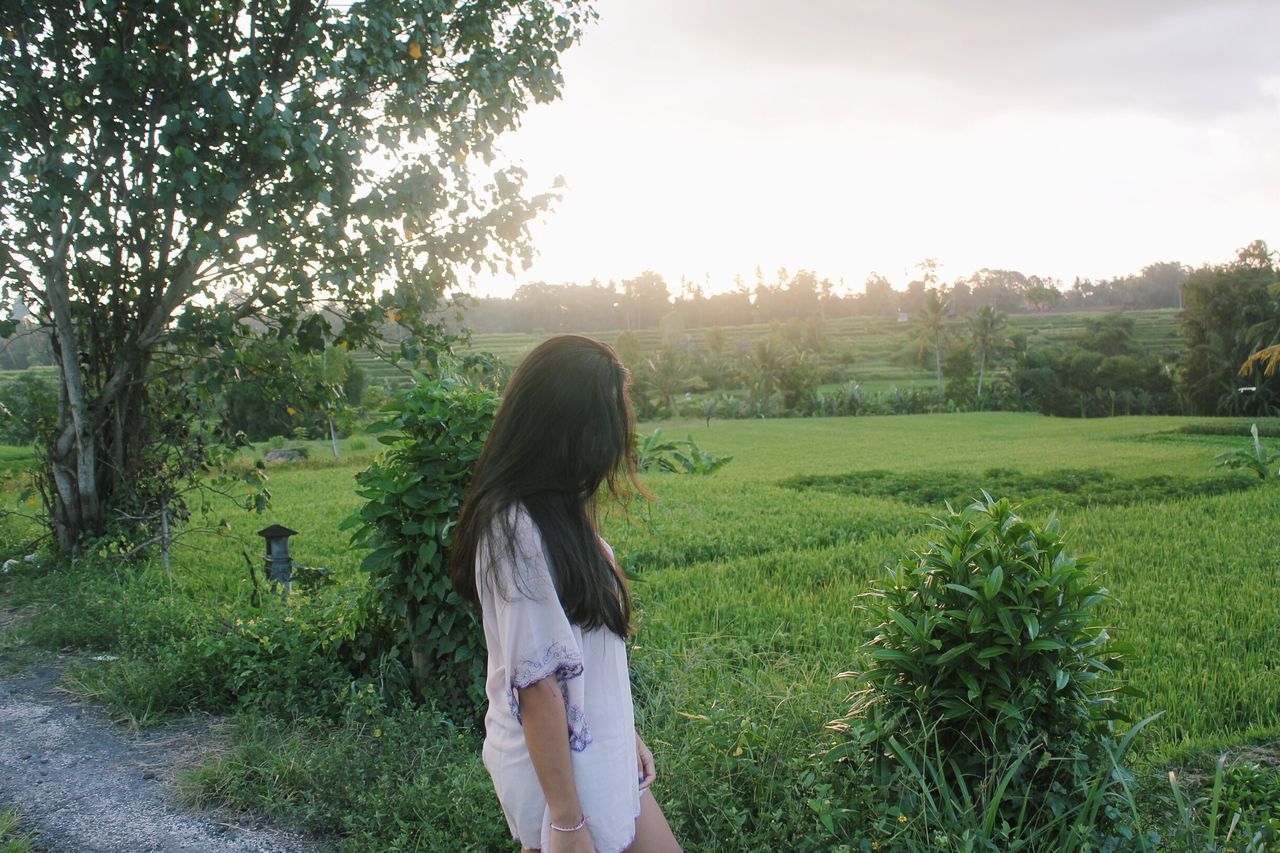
(705, 138)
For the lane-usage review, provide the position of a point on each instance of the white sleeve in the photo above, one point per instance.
(536, 638)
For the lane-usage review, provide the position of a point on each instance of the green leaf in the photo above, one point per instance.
(950, 654)
(991, 586)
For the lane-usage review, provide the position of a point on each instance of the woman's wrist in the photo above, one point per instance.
(567, 814)
(574, 827)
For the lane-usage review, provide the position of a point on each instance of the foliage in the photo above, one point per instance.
(778, 376)
(951, 810)
(1078, 382)
(1228, 809)
(413, 493)
(1257, 458)
(739, 621)
(744, 371)
(604, 306)
(985, 646)
(386, 779)
(933, 329)
(677, 456)
(1230, 312)
(988, 335)
(28, 407)
(182, 182)
(12, 839)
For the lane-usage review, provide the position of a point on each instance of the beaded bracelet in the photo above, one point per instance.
(573, 828)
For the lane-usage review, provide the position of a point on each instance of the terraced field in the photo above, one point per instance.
(872, 350)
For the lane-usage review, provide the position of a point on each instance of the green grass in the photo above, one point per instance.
(746, 591)
(12, 838)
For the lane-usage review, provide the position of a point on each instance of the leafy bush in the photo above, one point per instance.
(984, 649)
(29, 406)
(413, 493)
(677, 456)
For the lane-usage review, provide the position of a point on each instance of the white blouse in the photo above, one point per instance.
(530, 638)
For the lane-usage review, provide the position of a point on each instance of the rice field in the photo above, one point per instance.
(741, 572)
(747, 577)
(747, 585)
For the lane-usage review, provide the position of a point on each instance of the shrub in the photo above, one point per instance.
(985, 661)
(677, 456)
(413, 493)
(1258, 458)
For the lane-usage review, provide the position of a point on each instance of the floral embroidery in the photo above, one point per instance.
(564, 663)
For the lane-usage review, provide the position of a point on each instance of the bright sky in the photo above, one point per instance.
(706, 137)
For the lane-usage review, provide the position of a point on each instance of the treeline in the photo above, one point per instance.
(1231, 312)
(647, 302)
(979, 364)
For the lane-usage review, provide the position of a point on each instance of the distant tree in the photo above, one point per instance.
(1041, 294)
(987, 334)
(715, 340)
(666, 374)
(1109, 334)
(629, 350)
(1001, 289)
(645, 300)
(1226, 312)
(931, 324)
(878, 296)
(28, 408)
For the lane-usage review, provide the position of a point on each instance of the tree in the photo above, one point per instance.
(155, 155)
(1228, 312)
(645, 300)
(986, 331)
(1110, 334)
(931, 324)
(1042, 293)
(878, 296)
(666, 374)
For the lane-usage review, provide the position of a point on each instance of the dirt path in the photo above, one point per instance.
(82, 784)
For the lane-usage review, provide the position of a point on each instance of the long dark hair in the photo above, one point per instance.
(564, 429)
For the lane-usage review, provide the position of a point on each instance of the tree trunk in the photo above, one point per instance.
(937, 359)
(333, 434)
(98, 434)
(982, 369)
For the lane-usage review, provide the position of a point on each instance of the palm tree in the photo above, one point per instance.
(932, 325)
(665, 372)
(986, 330)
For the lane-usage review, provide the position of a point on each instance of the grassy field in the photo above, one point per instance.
(747, 584)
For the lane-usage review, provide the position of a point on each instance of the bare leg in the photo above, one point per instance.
(653, 835)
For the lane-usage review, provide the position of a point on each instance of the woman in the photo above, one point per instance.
(560, 743)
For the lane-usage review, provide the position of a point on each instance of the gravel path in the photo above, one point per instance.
(82, 784)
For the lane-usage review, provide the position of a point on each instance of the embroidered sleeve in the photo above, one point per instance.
(537, 640)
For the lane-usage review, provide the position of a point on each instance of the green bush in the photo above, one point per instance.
(1258, 458)
(677, 456)
(986, 663)
(413, 493)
